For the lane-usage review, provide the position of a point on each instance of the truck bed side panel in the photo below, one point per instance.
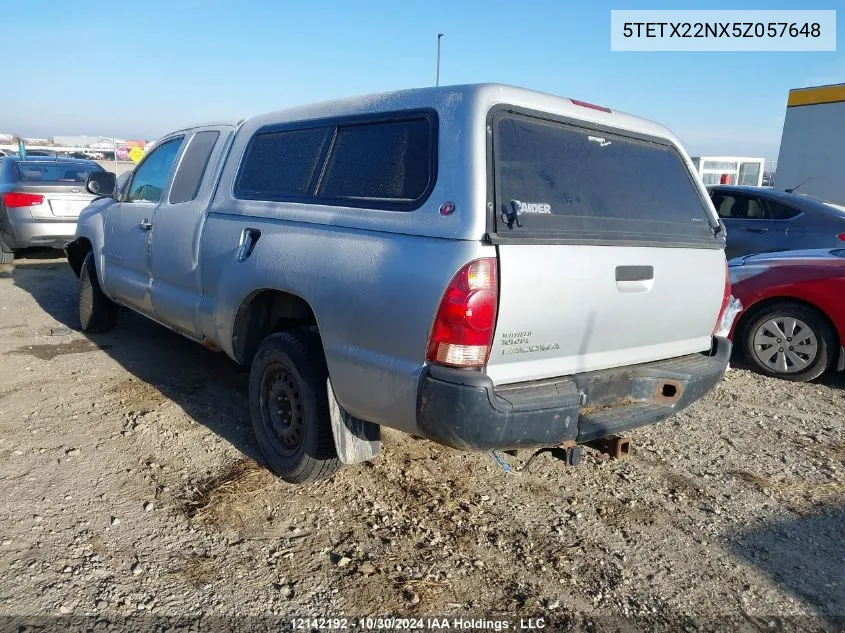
(374, 296)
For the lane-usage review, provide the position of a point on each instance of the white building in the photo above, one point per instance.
(730, 170)
(812, 147)
(99, 142)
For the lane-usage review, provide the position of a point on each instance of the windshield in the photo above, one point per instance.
(837, 208)
(47, 171)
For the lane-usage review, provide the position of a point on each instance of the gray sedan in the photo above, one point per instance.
(760, 220)
(40, 200)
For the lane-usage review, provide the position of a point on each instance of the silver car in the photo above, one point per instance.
(40, 200)
(760, 220)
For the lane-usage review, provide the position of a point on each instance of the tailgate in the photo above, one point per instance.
(583, 308)
(606, 247)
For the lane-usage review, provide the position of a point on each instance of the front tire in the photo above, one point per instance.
(289, 407)
(97, 313)
(7, 255)
(789, 340)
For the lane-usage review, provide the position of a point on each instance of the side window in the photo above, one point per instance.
(284, 163)
(780, 211)
(380, 161)
(388, 164)
(151, 176)
(739, 207)
(186, 183)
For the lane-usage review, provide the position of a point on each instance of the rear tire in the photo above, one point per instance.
(97, 313)
(289, 407)
(789, 340)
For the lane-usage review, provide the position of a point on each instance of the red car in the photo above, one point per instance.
(793, 320)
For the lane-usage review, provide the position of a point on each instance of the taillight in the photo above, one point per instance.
(726, 297)
(841, 236)
(592, 106)
(466, 318)
(13, 199)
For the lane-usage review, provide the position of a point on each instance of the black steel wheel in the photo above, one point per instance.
(281, 407)
(289, 407)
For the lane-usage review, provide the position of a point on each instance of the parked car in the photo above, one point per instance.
(40, 199)
(372, 270)
(793, 322)
(31, 151)
(760, 220)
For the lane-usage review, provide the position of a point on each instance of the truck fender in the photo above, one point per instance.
(355, 440)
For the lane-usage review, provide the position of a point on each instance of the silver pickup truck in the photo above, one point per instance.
(484, 266)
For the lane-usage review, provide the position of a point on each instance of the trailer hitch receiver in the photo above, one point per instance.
(616, 446)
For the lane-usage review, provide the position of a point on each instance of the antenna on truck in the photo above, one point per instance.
(796, 187)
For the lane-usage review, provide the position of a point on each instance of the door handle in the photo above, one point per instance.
(249, 237)
(756, 229)
(145, 225)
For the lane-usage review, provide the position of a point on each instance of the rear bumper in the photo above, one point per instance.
(462, 409)
(20, 230)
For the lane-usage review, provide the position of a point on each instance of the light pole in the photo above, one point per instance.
(437, 81)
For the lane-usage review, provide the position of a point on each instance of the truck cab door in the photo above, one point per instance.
(126, 273)
(177, 226)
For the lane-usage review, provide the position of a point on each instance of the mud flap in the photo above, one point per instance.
(355, 440)
(75, 252)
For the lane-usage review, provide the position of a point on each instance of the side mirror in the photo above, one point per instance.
(101, 183)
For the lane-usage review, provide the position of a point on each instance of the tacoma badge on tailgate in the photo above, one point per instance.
(518, 343)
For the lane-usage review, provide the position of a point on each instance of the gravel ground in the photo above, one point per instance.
(131, 494)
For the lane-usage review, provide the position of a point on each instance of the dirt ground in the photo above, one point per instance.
(131, 495)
